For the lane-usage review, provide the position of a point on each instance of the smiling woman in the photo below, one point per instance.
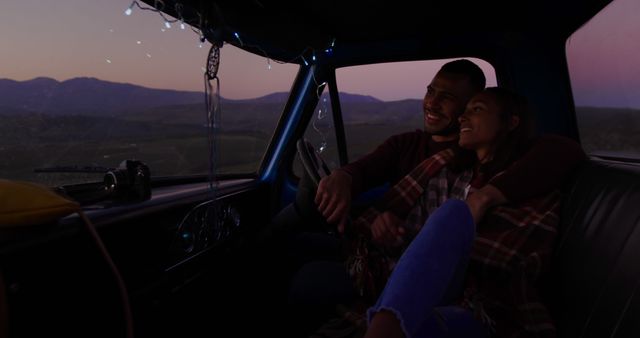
(410, 250)
(497, 124)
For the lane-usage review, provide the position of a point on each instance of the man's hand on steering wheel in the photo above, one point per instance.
(322, 193)
(333, 198)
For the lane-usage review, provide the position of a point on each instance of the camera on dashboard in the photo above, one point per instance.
(129, 182)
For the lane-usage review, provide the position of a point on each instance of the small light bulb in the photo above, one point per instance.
(138, 42)
(238, 37)
(305, 61)
(182, 25)
(128, 11)
(167, 24)
(322, 147)
(313, 57)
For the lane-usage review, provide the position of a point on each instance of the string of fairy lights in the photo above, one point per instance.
(307, 57)
(159, 6)
(212, 82)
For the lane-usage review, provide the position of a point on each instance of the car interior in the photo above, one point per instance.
(143, 255)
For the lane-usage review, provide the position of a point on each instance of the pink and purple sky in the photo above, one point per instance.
(71, 38)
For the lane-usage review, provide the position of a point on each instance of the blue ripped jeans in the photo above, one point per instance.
(429, 275)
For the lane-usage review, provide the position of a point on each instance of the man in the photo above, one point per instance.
(445, 100)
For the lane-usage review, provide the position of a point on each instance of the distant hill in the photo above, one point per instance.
(84, 121)
(246, 114)
(94, 97)
(404, 111)
(86, 96)
(355, 98)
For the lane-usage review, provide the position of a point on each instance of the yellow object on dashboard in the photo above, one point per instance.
(26, 203)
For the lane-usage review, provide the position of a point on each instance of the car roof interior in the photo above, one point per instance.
(284, 29)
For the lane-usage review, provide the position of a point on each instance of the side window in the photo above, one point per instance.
(381, 100)
(605, 78)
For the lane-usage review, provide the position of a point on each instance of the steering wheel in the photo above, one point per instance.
(314, 170)
(313, 164)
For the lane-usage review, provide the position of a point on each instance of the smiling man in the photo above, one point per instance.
(445, 100)
(447, 96)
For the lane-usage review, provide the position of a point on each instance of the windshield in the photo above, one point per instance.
(86, 85)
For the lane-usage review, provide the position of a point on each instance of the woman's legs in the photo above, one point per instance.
(429, 274)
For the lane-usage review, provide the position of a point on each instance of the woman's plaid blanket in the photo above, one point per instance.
(512, 249)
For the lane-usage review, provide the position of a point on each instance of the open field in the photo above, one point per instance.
(179, 146)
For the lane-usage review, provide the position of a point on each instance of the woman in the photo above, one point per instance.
(456, 280)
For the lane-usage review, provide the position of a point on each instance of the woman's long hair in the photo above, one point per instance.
(511, 144)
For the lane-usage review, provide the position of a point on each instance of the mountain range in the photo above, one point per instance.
(85, 96)
(94, 97)
(45, 118)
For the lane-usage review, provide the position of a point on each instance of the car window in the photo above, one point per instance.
(381, 100)
(605, 78)
(84, 86)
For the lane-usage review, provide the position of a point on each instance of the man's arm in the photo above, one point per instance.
(386, 163)
(333, 197)
(335, 191)
(376, 168)
(543, 168)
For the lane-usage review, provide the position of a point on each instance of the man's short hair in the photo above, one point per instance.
(466, 68)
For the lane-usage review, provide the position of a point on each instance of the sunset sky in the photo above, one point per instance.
(69, 38)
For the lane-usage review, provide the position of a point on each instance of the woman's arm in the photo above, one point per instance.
(543, 168)
(482, 199)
